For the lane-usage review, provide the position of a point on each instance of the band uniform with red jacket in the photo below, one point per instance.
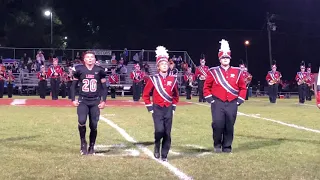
(225, 90)
(3, 77)
(10, 80)
(201, 75)
(273, 78)
(54, 73)
(165, 96)
(137, 78)
(309, 82)
(317, 87)
(246, 76)
(42, 76)
(301, 78)
(189, 79)
(113, 80)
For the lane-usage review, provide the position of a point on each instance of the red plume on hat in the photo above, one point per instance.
(161, 54)
(224, 51)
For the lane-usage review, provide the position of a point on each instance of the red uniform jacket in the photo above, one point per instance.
(188, 76)
(69, 77)
(113, 79)
(42, 76)
(53, 70)
(137, 76)
(226, 85)
(247, 77)
(310, 79)
(165, 91)
(10, 76)
(202, 71)
(273, 76)
(301, 76)
(3, 75)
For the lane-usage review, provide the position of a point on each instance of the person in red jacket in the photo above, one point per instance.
(225, 90)
(310, 82)
(3, 77)
(165, 96)
(246, 76)
(137, 78)
(113, 79)
(301, 79)
(201, 74)
(273, 78)
(189, 79)
(54, 73)
(42, 76)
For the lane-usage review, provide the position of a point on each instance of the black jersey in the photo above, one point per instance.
(89, 80)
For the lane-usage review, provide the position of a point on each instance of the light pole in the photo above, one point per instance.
(49, 13)
(270, 27)
(246, 44)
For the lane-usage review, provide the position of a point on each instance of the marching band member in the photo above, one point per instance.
(42, 76)
(310, 81)
(2, 79)
(246, 76)
(10, 78)
(137, 77)
(273, 78)
(317, 86)
(54, 74)
(201, 74)
(189, 78)
(69, 81)
(113, 79)
(172, 70)
(225, 90)
(301, 79)
(165, 96)
(64, 80)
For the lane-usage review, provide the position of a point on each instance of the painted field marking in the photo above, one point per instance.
(272, 120)
(18, 102)
(145, 150)
(306, 105)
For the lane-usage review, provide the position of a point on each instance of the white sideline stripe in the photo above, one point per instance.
(306, 105)
(173, 169)
(18, 102)
(272, 120)
(194, 146)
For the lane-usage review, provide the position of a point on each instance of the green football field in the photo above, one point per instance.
(272, 141)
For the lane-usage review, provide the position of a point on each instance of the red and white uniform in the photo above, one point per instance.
(247, 77)
(42, 76)
(188, 76)
(318, 87)
(226, 85)
(54, 69)
(310, 78)
(10, 76)
(202, 71)
(137, 76)
(113, 79)
(273, 76)
(3, 75)
(165, 91)
(301, 76)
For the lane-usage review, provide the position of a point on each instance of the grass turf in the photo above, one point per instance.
(43, 143)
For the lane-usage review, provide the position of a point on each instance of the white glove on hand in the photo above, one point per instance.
(172, 112)
(151, 112)
(212, 101)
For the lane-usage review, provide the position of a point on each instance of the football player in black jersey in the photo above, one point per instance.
(92, 97)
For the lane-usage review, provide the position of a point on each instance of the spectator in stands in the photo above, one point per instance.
(0, 59)
(15, 67)
(125, 55)
(174, 59)
(40, 58)
(24, 60)
(78, 57)
(29, 65)
(141, 58)
(184, 66)
(35, 67)
(178, 63)
(113, 56)
(136, 58)
(146, 68)
(122, 70)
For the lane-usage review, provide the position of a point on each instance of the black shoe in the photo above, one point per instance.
(156, 152)
(83, 148)
(226, 150)
(164, 159)
(91, 150)
(217, 150)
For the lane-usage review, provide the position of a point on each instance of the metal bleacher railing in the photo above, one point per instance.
(30, 81)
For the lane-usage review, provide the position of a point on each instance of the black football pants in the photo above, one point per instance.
(10, 90)
(88, 108)
(162, 118)
(309, 93)
(42, 89)
(273, 93)
(224, 116)
(55, 87)
(113, 92)
(302, 89)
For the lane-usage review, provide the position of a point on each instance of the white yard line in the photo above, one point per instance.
(311, 105)
(145, 150)
(272, 120)
(18, 102)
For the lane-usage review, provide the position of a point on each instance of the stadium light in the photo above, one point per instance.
(49, 13)
(247, 43)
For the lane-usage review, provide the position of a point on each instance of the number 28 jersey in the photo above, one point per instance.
(89, 80)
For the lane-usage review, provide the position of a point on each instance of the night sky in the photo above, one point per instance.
(194, 26)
